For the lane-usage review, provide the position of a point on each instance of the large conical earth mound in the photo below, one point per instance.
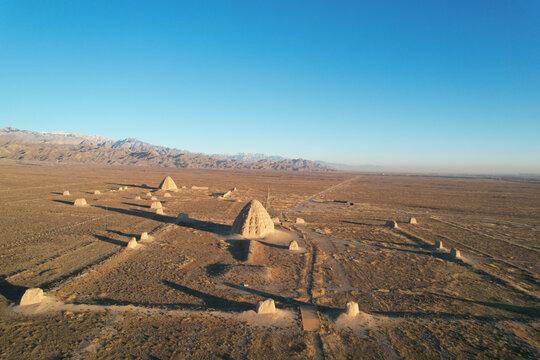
(167, 184)
(253, 221)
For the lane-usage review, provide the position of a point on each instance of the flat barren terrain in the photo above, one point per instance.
(190, 290)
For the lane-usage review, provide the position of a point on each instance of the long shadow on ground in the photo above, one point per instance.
(143, 186)
(110, 241)
(11, 292)
(64, 202)
(182, 220)
(138, 205)
(211, 301)
(121, 233)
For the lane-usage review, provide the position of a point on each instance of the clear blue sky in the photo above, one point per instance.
(417, 85)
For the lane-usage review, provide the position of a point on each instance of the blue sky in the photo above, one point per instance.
(408, 85)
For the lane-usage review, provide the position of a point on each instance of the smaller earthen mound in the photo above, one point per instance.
(293, 245)
(153, 198)
(144, 236)
(65, 193)
(97, 192)
(148, 194)
(132, 244)
(156, 205)
(167, 195)
(167, 184)
(392, 224)
(80, 202)
(234, 189)
(300, 221)
(160, 211)
(32, 296)
(266, 307)
(352, 309)
(412, 221)
(455, 253)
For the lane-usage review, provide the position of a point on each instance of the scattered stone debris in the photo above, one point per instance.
(352, 309)
(455, 253)
(392, 224)
(156, 205)
(300, 221)
(266, 307)
(65, 193)
(293, 245)
(132, 244)
(80, 202)
(144, 235)
(253, 221)
(167, 184)
(412, 220)
(32, 296)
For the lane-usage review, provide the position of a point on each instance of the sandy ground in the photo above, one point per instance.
(190, 290)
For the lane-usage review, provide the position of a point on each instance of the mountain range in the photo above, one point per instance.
(60, 147)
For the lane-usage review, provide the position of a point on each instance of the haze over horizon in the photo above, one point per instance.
(415, 86)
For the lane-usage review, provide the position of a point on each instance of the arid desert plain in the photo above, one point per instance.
(191, 289)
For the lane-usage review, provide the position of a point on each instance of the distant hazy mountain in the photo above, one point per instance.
(251, 157)
(60, 147)
(367, 168)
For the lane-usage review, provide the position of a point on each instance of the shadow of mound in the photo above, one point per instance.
(11, 292)
(182, 220)
(216, 228)
(217, 269)
(138, 205)
(142, 186)
(277, 246)
(64, 202)
(110, 241)
(212, 301)
(239, 249)
(139, 213)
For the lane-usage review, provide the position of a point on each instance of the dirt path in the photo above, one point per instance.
(310, 199)
(327, 246)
